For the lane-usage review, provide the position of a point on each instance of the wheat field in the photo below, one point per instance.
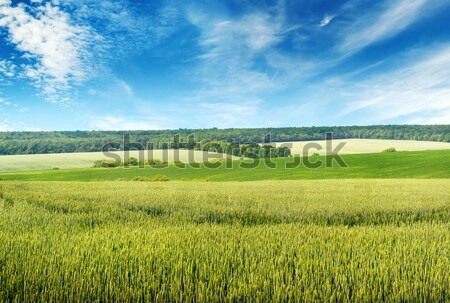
(364, 146)
(266, 241)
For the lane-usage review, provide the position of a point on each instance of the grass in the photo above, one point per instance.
(84, 160)
(290, 236)
(363, 146)
(421, 164)
(268, 241)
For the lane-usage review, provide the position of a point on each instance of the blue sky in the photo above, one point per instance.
(119, 65)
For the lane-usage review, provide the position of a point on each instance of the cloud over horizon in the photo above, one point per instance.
(171, 64)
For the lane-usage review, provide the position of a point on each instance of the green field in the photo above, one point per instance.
(363, 146)
(283, 241)
(422, 164)
(375, 231)
(86, 160)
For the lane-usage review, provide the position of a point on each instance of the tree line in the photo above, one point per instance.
(16, 143)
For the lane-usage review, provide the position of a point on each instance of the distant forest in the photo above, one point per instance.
(16, 143)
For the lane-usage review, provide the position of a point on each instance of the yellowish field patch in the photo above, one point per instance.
(86, 160)
(364, 146)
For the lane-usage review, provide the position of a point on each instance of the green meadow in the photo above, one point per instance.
(419, 164)
(376, 230)
(38, 162)
(266, 241)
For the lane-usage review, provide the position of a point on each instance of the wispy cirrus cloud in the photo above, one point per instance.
(392, 19)
(236, 67)
(126, 88)
(418, 91)
(225, 64)
(121, 27)
(326, 20)
(230, 48)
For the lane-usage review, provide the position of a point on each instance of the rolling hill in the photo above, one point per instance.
(86, 160)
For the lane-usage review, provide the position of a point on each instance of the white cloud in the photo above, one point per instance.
(60, 51)
(371, 28)
(419, 91)
(6, 104)
(55, 49)
(242, 65)
(125, 87)
(7, 126)
(326, 20)
(7, 68)
(251, 33)
(231, 48)
(120, 26)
